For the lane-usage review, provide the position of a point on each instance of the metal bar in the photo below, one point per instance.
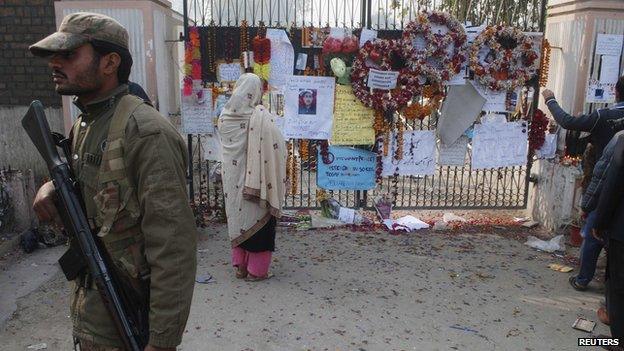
(186, 19)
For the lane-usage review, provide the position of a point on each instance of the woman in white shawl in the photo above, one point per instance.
(254, 176)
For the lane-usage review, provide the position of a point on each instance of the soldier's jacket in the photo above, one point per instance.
(138, 201)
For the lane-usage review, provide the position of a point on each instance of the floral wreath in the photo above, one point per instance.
(436, 44)
(381, 52)
(512, 66)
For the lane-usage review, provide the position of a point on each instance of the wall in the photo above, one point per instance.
(24, 77)
(16, 149)
(552, 200)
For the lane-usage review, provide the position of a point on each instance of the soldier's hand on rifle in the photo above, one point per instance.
(44, 204)
(154, 348)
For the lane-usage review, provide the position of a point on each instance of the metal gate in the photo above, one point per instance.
(451, 186)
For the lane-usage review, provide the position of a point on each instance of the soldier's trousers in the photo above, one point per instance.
(89, 346)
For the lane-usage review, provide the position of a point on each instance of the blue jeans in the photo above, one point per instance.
(590, 250)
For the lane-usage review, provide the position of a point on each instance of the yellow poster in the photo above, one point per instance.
(353, 122)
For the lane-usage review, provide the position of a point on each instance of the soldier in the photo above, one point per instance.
(130, 163)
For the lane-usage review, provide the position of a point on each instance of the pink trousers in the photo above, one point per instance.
(257, 263)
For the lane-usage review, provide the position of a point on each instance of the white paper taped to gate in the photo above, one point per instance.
(229, 72)
(211, 143)
(197, 115)
(609, 44)
(367, 35)
(417, 160)
(282, 55)
(549, 149)
(386, 80)
(609, 69)
(309, 107)
(499, 145)
(455, 154)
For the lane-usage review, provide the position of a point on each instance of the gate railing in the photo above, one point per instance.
(450, 186)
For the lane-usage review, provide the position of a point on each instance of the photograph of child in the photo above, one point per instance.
(307, 101)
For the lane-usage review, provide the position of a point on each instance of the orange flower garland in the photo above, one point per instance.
(192, 61)
(434, 95)
(544, 63)
(262, 54)
(398, 152)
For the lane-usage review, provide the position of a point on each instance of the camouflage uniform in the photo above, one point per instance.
(130, 163)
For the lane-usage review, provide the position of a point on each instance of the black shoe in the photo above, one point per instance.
(575, 285)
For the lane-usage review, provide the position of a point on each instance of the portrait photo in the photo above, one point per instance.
(307, 101)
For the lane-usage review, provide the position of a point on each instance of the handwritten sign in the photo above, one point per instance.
(353, 122)
(499, 145)
(229, 72)
(367, 35)
(609, 44)
(609, 69)
(419, 151)
(454, 154)
(346, 215)
(282, 54)
(382, 79)
(197, 114)
(309, 107)
(349, 169)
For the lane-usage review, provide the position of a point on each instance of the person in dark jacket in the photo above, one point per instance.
(609, 227)
(136, 90)
(599, 124)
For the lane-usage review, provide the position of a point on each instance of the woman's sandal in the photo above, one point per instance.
(253, 278)
(241, 273)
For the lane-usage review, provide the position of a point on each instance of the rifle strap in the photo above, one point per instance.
(113, 165)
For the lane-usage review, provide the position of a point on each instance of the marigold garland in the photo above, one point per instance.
(291, 169)
(212, 47)
(262, 54)
(434, 95)
(436, 45)
(379, 141)
(192, 61)
(244, 40)
(398, 152)
(512, 66)
(544, 63)
(229, 48)
(304, 148)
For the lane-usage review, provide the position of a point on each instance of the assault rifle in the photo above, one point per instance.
(86, 253)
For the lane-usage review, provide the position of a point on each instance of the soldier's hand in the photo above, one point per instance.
(154, 348)
(547, 94)
(44, 204)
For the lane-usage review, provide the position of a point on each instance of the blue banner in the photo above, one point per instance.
(349, 169)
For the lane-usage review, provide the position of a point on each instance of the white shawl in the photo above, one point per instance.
(254, 161)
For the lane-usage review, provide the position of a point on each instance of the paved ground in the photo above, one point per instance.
(344, 290)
